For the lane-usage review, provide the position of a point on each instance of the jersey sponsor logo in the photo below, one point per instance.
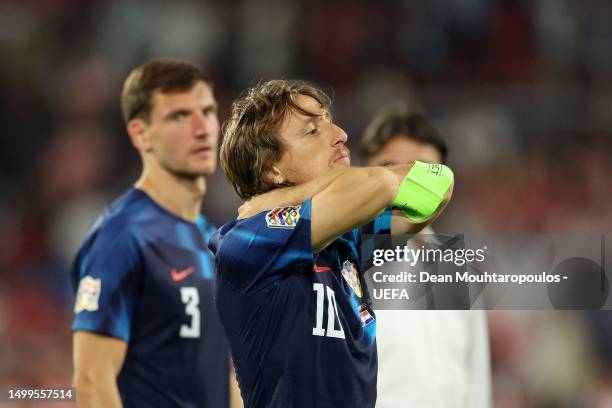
(283, 217)
(88, 295)
(366, 317)
(349, 272)
(178, 276)
(319, 269)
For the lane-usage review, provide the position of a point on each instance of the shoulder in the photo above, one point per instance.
(279, 221)
(263, 236)
(206, 227)
(123, 221)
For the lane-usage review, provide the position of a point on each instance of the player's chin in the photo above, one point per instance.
(203, 167)
(201, 170)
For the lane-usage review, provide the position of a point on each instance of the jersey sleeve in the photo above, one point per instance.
(260, 250)
(379, 225)
(107, 275)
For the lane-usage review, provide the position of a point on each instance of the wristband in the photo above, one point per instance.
(422, 190)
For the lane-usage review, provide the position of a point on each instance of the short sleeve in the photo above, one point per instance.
(107, 275)
(258, 251)
(380, 224)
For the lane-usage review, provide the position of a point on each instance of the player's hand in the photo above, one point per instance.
(260, 203)
(247, 209)
(281, 197)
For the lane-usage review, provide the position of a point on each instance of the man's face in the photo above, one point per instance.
(401, 149)
(183, 131)
(312, 144)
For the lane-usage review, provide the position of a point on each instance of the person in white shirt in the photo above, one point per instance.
(426, 358)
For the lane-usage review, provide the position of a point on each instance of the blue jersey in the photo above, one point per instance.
(146, 276)
(300, 325)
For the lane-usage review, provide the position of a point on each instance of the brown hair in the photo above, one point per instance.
(397, 119)
(166, 75)
(251, 142)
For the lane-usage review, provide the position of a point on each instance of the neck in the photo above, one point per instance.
(182, 196)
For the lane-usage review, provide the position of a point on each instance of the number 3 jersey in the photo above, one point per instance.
(145, 276)
(300, 325)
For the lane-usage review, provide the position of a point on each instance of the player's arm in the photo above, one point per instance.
(235, 398)
(287, 196)
(97, 361)
(403, 225)
(358, 195)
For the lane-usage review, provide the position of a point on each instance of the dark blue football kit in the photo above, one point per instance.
(300, 325)
(146, 276)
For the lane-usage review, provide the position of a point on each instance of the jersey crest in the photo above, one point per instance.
(283, 217)
(349, 272)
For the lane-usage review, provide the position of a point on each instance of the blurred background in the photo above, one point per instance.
(522, 90)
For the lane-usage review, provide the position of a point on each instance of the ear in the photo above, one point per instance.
(137, 130)
(272, 174)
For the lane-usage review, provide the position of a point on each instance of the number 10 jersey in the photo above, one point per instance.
(300, 325)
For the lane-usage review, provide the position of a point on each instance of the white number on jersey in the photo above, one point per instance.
(191, 299)
(332, 313)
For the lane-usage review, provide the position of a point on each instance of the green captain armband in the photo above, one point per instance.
(422, 190)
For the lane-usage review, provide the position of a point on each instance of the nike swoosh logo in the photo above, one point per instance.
(182, 274)
(321, 268)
